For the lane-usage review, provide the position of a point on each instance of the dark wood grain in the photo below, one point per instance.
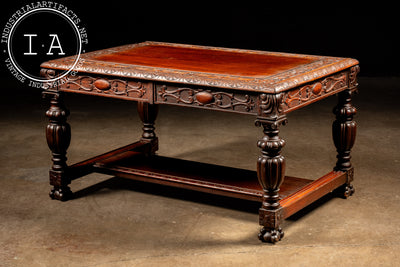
(197, 176)
(85, 167)
(131, 162)
(312, 192)
(267, 85)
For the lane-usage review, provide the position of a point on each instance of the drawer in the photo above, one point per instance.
(216, 99)
(108, 87)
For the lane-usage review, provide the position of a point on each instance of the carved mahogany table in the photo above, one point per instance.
(266, 85)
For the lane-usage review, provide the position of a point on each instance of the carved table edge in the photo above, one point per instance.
(322, 66)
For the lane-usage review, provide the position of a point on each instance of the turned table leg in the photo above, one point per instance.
(58, 135)
(344, 130)
(271, 173)
(148, 114)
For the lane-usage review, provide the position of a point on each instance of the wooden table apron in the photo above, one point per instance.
(230, 88)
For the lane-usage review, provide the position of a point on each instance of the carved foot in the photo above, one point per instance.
(61, 193)
(271, 235)
(345, 191)
(348, 190)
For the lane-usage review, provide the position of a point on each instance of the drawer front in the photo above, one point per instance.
(108, 87)
(216, 99)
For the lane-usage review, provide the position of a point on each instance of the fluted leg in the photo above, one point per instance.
(58, 135)
(271, 173)
(344, 130)
(148, 114)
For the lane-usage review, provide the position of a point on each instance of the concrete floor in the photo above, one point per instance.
(117, 222)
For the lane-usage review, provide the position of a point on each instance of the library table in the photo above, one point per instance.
(266, 85)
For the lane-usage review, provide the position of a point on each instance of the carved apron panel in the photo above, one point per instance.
(312, 92)
(240, 102)
(113, 87)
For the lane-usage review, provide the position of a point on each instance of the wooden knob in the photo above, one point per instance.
(317, 88)
(204, 97)
(102, 84)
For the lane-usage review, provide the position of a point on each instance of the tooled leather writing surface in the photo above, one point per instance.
(205, 60)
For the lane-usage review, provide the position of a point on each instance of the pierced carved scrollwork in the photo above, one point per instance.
(308, 93)
(116, 87)
(180, 95)
(242, 103)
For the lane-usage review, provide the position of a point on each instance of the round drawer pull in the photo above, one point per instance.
(317, 88)
(102, 84)
(204, 97)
